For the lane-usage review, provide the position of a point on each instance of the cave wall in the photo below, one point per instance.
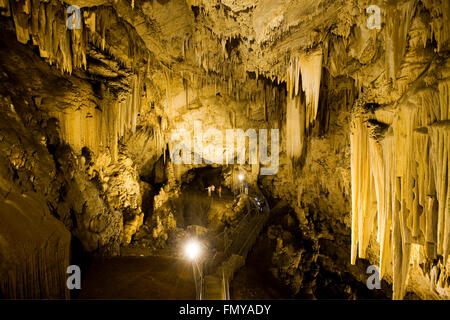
(311, 234)
(52, 188)
(34, 245)
(400, 80)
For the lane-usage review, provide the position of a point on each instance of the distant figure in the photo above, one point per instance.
(246, 188)
(220, 191)
(209, 191)
(213, 188)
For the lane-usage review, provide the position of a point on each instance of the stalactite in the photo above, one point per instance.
(397, 24)
(385, 200)
(440, 14)
(41, 22)
(4, 4)
(311, 72)
(45, 24)
(101, 128)
(408, 164)
(295, 126)
(361, 182)
(439, 157)
(186, 92)
(301, 114)
(168, 93)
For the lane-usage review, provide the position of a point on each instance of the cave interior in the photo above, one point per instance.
(225, 149)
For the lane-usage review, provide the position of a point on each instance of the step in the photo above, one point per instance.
(213, 288)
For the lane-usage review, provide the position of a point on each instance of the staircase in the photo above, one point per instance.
(216, 284)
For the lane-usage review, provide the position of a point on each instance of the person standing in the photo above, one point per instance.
(220, 191)
(209, 191)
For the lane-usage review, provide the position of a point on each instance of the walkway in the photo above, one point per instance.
(216, 283)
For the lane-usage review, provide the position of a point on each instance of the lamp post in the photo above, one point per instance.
(241, 178)
(193, 251)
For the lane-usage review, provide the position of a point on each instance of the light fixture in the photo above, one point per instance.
(241, 177)
(192, 250)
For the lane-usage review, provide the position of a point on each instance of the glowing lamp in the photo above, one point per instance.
(193, 250)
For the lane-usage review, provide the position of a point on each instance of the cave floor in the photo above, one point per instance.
(140, 274)
(156, 277)
(151, 277)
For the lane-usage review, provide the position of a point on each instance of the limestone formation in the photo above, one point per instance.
(92, 93)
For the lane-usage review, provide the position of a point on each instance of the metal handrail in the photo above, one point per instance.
(259, 221)
(266, 209)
